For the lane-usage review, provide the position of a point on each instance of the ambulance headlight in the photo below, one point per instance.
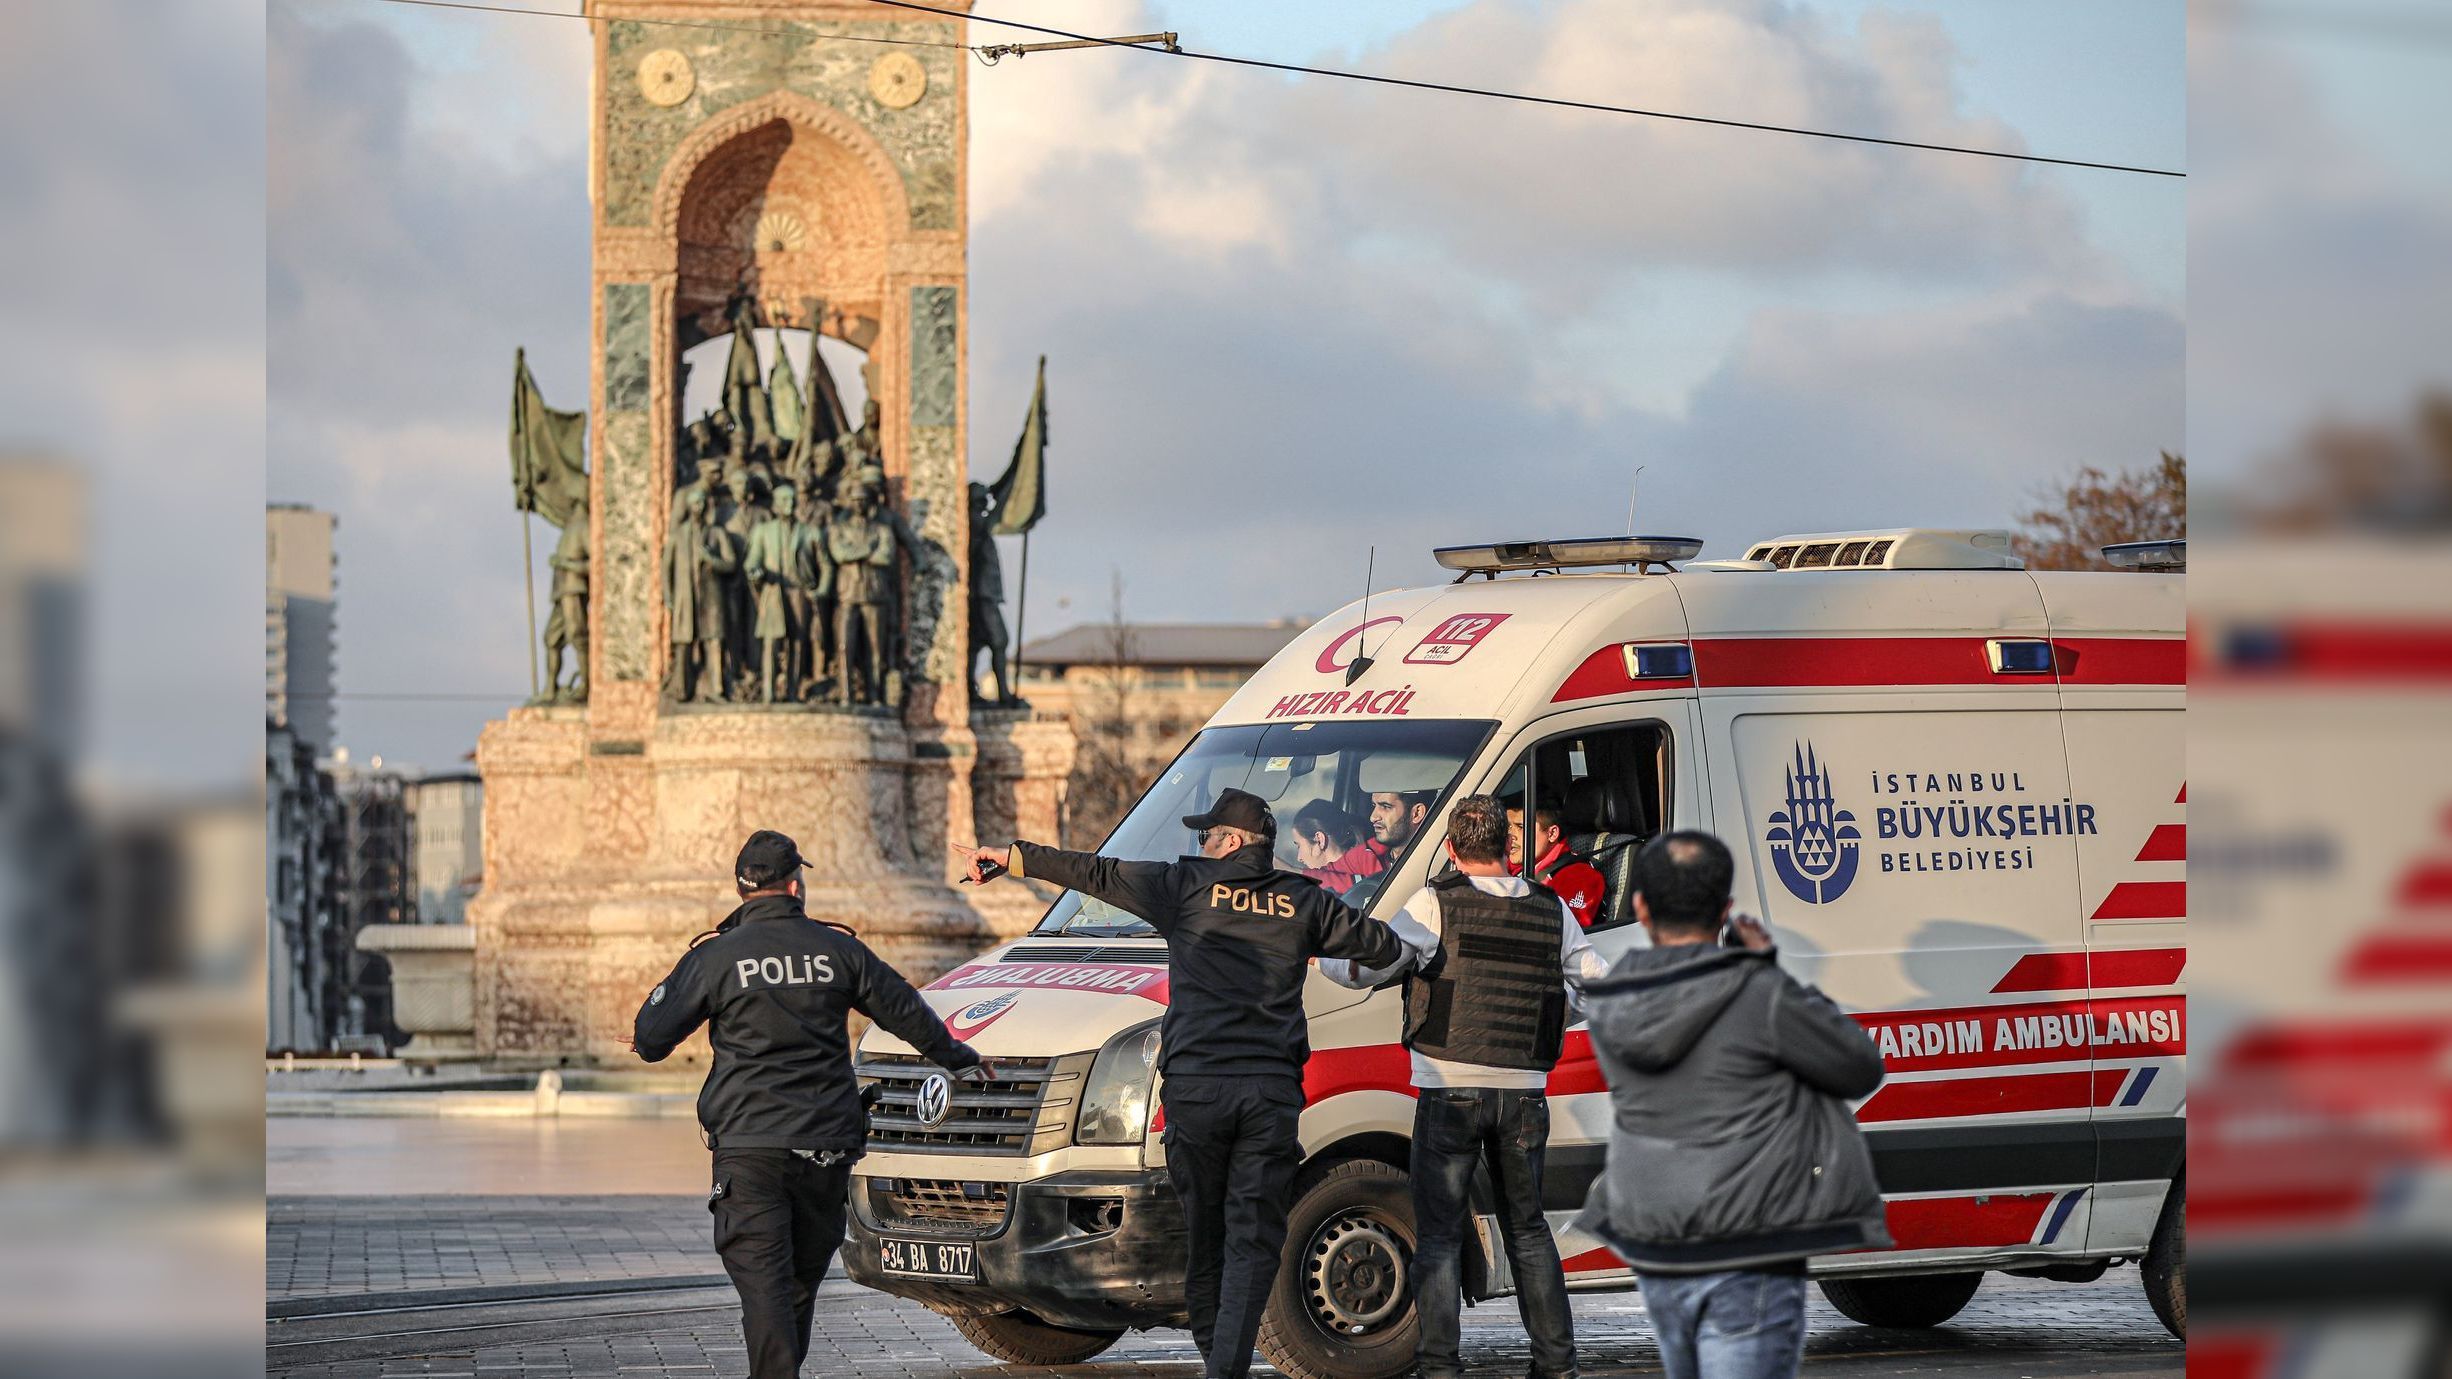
(1115, 1104)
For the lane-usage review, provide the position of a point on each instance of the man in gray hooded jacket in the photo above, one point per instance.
(1733, 1156)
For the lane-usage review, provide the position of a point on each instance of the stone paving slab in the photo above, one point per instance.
(325, 1246)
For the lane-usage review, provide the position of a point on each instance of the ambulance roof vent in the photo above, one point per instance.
(1906, 548)
(1583, 553)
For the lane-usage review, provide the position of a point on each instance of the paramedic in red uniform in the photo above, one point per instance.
(1578, 883)
(1328, 846)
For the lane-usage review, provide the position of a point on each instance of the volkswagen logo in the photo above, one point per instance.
(936, 1100)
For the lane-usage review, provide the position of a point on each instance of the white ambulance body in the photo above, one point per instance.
(1956, 792)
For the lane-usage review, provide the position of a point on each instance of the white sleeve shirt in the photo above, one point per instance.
(1417, 926)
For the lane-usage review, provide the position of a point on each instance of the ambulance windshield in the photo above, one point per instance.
(1351, 800)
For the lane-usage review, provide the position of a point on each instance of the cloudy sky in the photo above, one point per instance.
(1288, 320)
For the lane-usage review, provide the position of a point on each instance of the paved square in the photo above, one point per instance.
(558, 1287)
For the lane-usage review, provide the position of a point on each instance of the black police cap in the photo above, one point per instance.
(768, 857)
(1234, 809)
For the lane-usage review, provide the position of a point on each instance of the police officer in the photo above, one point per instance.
(780, 1108)
(1240, 935)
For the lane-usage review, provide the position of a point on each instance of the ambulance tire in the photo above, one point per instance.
(1353, 1212)
(1019, 1338)
(1918, 1300)
(2165, 1265)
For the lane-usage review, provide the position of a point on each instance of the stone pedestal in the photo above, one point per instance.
(434, 986)
(602, 865)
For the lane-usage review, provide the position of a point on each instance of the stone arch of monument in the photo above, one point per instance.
(790, 195)
(724, 157)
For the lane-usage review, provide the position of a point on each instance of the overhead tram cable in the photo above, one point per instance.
(1143, 43)
(1166, 43)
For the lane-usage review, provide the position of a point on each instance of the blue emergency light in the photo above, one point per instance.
(1659, 661)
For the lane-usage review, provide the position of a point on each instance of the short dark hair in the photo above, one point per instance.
(1477, 828)
(754, 879)
(1684, 878)
(1545, 814)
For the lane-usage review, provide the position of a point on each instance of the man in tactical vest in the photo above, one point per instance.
(1489, 965)
(1240, 936)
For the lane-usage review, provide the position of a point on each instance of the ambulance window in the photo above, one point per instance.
(1853, 553)
(1816, 556)
(1342, 792)
(1606, 791)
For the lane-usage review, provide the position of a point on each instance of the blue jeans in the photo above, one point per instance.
(1456, 1130)
(1743, 1324)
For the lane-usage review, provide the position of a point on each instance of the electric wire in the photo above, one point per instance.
(982, 51)
(1559, 102)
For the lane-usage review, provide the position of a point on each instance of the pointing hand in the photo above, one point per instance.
(983, 864)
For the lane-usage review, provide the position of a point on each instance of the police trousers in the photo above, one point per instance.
(1231, 1150)
(778, 1221)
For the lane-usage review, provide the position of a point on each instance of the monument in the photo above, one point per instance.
(776, 602)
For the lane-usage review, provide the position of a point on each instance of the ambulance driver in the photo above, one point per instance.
(1396, 816)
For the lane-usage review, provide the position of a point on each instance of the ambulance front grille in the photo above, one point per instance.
(956, 1207)
(1028, 1109)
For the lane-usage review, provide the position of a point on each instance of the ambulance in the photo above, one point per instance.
(1956, 791)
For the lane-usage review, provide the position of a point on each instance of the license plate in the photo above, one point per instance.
(929, 1259)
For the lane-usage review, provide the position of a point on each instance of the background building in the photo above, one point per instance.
(302, 894)
(42, 601)
(300, 629)
(1133, 693)
(377, 886)
(447, 849)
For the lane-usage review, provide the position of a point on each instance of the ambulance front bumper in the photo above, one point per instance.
(1097, 1250)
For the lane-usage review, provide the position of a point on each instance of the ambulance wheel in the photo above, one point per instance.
(2165, 1265)
(1920, 1300)
(1342, 1306)
(1021, 1339)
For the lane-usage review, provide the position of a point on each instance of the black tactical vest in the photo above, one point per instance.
(1496, 997)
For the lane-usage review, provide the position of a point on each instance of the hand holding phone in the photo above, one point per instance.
(1745, 931)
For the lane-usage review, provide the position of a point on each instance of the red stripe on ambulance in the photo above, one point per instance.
(2129, 967)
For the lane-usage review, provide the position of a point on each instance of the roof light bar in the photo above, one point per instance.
(2148, 555)
(1581, 553)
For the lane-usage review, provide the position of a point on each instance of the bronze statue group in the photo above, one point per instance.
(783, 578)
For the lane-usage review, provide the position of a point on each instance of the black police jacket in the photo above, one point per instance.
(774, 989)
(1239, 935)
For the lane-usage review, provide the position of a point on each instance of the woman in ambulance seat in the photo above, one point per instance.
(1328, 847)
